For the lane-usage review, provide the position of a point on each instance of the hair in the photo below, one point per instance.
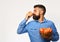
(41, 6)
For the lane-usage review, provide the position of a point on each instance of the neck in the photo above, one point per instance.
(41, 19)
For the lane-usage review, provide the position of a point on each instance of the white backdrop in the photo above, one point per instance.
(12, 12)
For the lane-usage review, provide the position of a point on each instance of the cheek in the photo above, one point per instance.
(41, 12)
(36, 13)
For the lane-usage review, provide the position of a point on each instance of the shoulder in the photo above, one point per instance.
(50, 22)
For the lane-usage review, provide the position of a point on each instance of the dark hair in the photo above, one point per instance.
(41, 6)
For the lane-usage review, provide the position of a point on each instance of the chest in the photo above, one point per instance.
(34, 27)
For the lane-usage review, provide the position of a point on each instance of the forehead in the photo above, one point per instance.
(37, 8)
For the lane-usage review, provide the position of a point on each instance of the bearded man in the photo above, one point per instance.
(38, 28)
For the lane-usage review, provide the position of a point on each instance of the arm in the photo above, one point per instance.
(55, 35)
(21, 28)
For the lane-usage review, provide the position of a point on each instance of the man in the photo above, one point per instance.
(39, 21)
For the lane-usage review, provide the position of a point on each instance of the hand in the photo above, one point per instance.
(50, 38)
(28, 15)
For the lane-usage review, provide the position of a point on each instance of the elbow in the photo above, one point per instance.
(56, 38)
(18, 32)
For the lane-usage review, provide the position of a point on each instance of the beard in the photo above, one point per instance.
(36, 17)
